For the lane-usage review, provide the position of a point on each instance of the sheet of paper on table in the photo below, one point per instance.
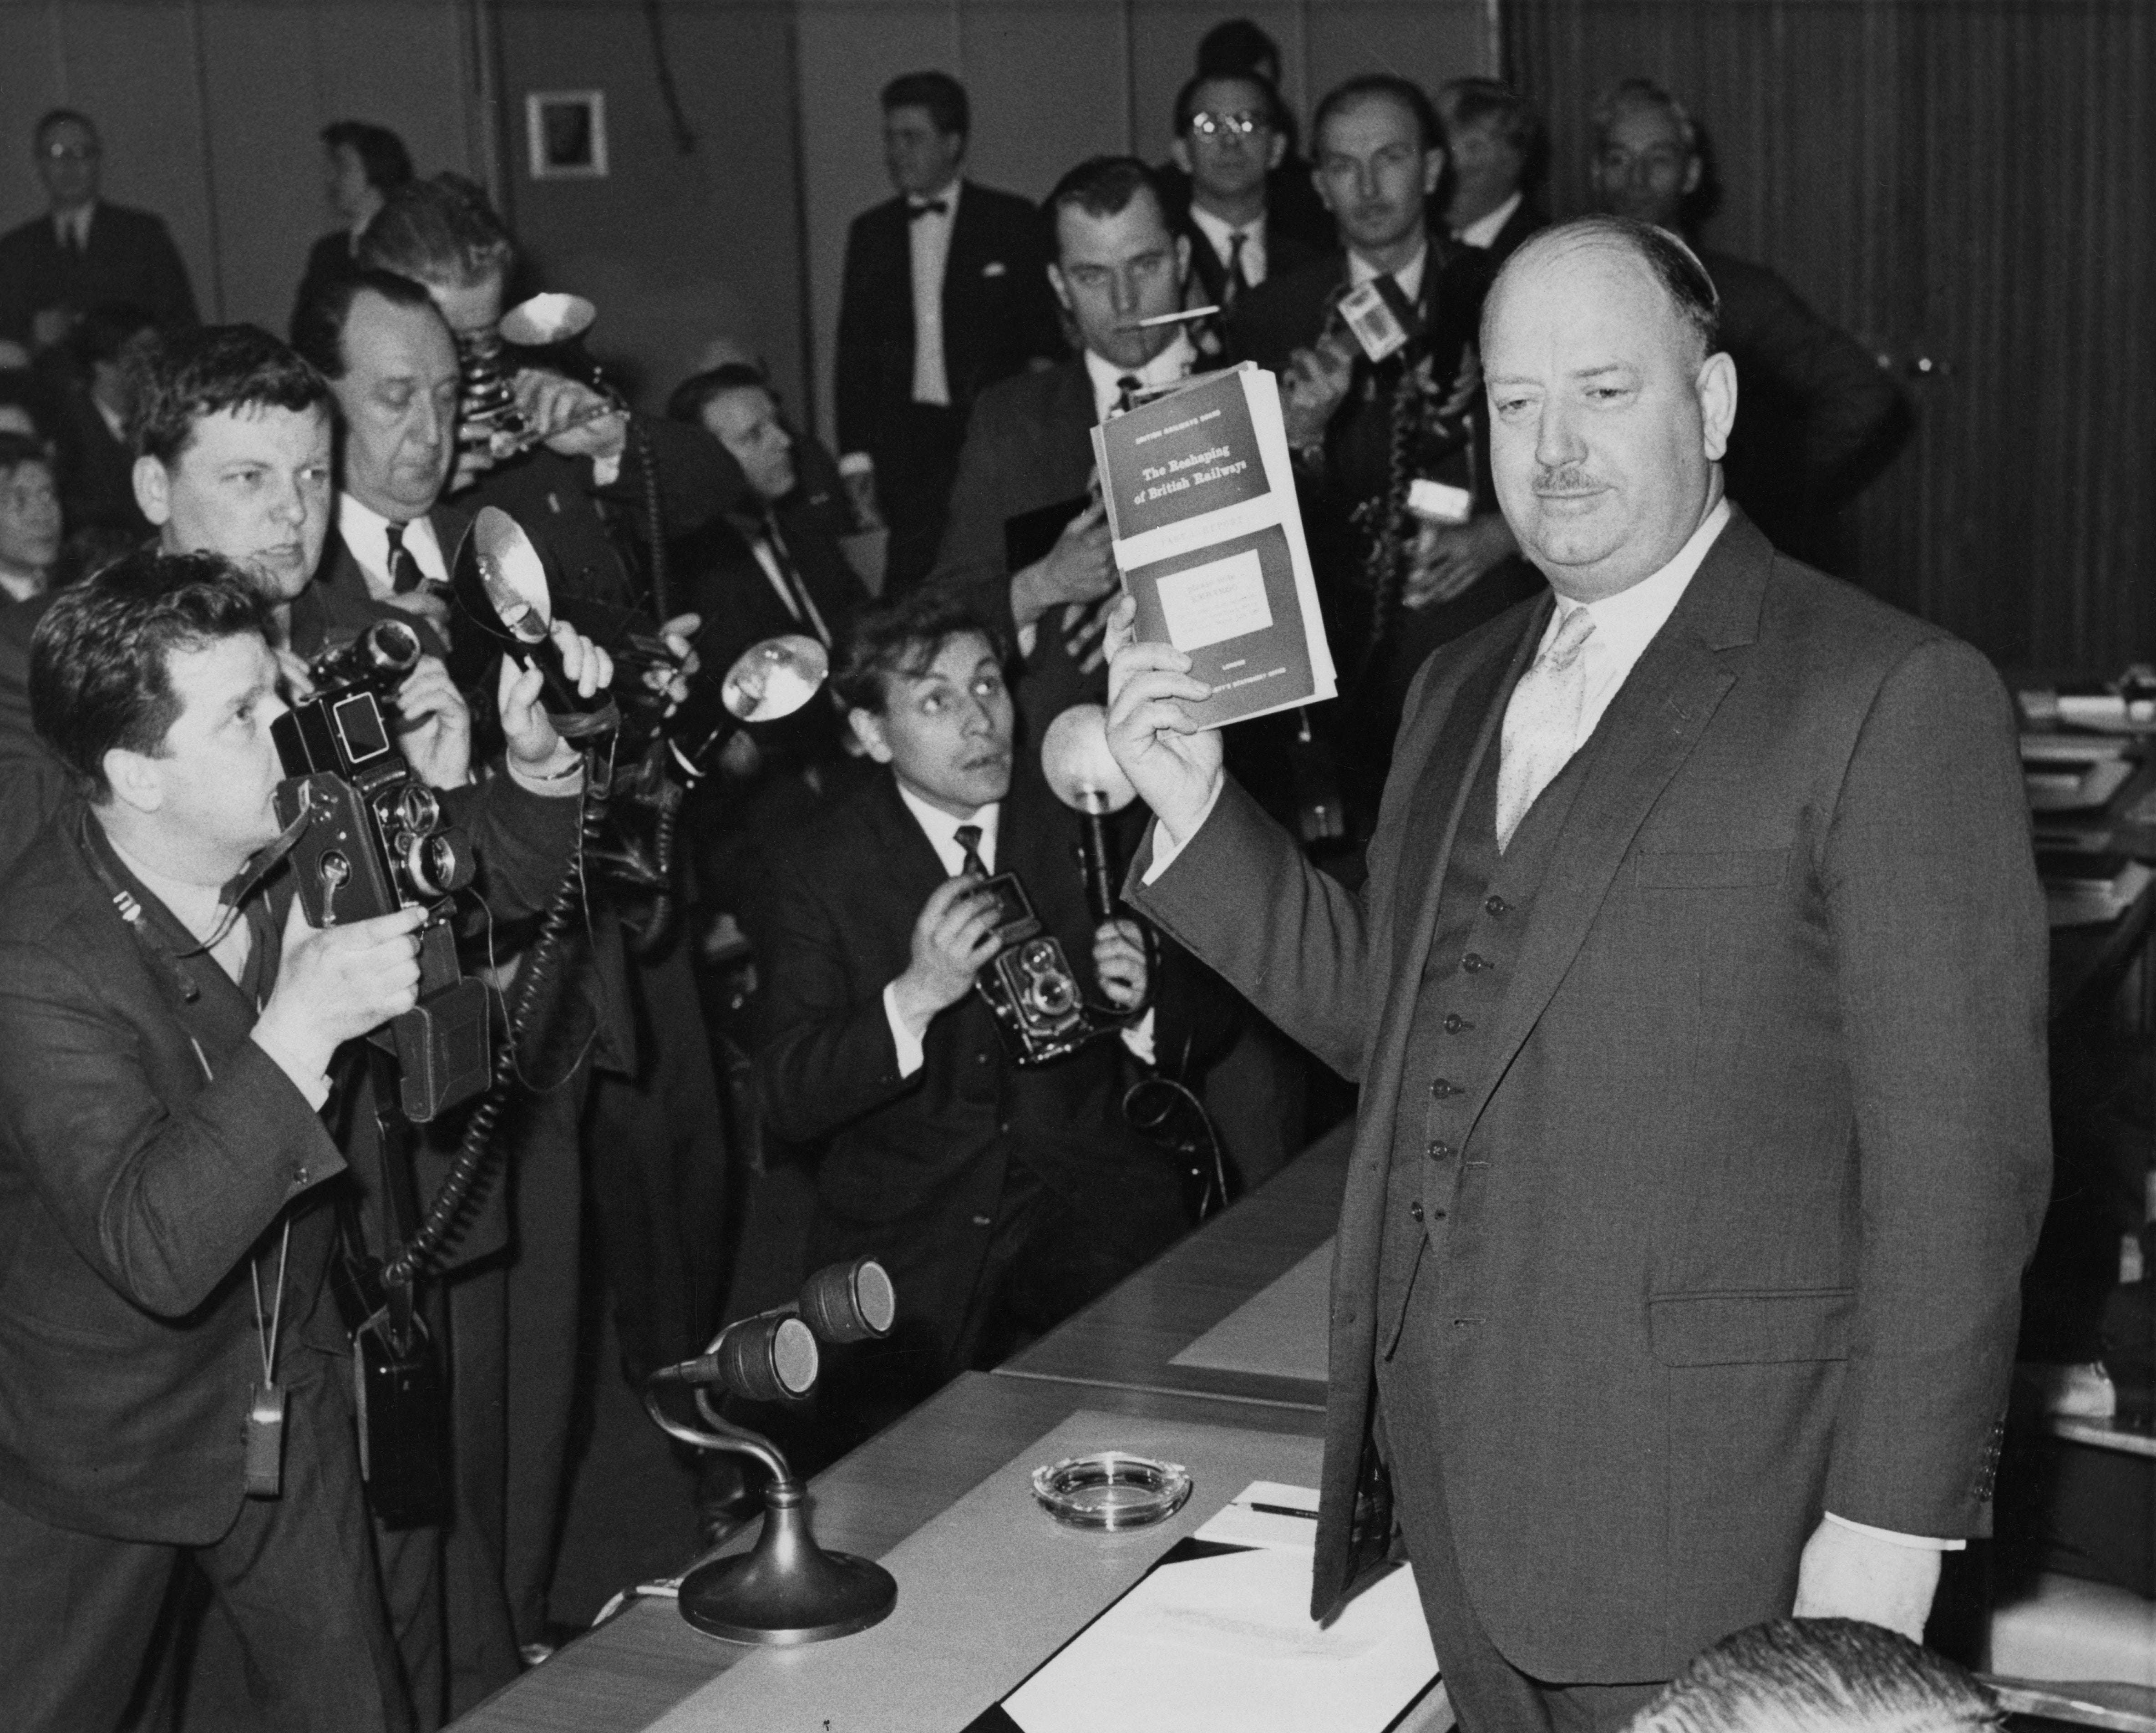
(1226, 1641)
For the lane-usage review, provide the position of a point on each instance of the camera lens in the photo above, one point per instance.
(434, 866)
(417, 810)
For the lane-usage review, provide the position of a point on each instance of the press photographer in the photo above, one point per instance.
(172, 1029)
(1001, 1195)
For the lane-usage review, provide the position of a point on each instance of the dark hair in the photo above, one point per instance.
(439, 231)
(1840, 1675)
(1405, 92)
(905, 636)
(318, 322)
(1234, 46)
(382, 157)
(1186, 99)
(1692, 292)
(17, 449)
(204, 372)
(105, 331)
(1511, 114)
(1100, 186)
(1705, 197)
(698, 389)
(98, 674)
(54, 117)
(943, 95)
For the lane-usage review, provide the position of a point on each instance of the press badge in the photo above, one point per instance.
(265, 1442)
(1374, 321)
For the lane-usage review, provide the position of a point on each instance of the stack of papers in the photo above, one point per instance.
(2072, 772)
(1218, 1635)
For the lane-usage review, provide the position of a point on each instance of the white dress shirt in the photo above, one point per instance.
(365, 533)
(1220, 234)
(942, 830)
(928, 240)
(71, 228)
(760, 534)
(1172, 364)
(196, 908)
(1482, 232)
(1409, 276)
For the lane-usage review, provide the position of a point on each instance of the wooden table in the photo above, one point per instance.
(629, 1672)
(1129, 1337)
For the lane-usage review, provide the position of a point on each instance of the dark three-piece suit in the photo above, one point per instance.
(1703, 1132)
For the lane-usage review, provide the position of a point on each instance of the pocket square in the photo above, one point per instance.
(993, 267)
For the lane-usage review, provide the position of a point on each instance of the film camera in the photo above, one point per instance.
(375, 842)
(1030, 985)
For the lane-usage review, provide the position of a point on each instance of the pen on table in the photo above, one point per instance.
(1284, 1510)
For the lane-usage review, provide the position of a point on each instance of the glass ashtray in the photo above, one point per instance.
(1111, 1490)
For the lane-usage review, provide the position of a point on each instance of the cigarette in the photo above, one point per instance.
(1139, 325)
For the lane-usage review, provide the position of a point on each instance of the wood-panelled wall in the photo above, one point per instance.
(1968, 186)
(1054, 81)
(210, 111)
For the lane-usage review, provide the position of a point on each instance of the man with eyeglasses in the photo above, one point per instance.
(1229, 142)
(1819, 419)
(83, 253)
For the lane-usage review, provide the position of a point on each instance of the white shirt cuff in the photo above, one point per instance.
(552, 788)
(1922, 1543)
(1139, 1037)
(314, 1086)
(606, 471)
(1165, 848)
(909, 1056)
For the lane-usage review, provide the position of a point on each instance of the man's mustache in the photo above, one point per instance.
(1558, 483)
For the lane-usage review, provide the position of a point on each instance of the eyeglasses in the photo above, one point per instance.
(71, 153)
(1242, 122)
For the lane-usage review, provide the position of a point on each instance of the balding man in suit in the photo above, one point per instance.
(1696, 994)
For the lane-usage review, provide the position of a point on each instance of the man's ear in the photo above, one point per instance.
(868, 728)
(153, 491)
(1179, 149)
(1062, 289)
(1717, 386)
(1278, 150)
(1433, 171)
(134, 779)
(1317, 184)
(1182, 262)
(1693, 170)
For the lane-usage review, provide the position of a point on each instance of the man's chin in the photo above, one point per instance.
(279, 578)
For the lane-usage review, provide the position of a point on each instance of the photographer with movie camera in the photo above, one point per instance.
(940, 1016)
(173, 1024)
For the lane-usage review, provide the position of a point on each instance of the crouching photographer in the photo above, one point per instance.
(173, 1377)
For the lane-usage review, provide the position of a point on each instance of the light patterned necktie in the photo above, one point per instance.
(1541, 723)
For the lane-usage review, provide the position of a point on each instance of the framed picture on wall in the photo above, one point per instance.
(566, 133)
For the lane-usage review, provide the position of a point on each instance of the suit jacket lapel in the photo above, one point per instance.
(1650, 729)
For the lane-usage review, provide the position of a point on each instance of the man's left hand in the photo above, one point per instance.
(570, 418)
(1119, 962)
(435, 725)
(535, 748)
(1448, 559)
(1847, 1574)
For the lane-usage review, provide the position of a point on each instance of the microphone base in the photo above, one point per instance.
(787, 1590)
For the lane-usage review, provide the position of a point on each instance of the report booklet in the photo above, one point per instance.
(1207, 534)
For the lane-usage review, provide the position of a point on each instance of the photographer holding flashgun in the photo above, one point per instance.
(172, 1028)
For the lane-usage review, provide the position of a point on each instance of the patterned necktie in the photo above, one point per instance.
(969, 838)
(1542, 722)
(1126, 393)
(404, 573)
(1234, 283)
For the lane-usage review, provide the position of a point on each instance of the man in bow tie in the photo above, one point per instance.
(944, 294)
(1696, 994)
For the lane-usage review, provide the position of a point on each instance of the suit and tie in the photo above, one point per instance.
(996, 316)
(1703, 1131)
(127, 256)
(998, 1196)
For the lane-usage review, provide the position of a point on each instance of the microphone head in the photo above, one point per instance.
(1080, 768)
(770, 1358)
(849, 1302)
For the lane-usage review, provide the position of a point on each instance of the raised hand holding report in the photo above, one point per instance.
(1208, 540)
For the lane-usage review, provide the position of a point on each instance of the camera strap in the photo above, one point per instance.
(233, 895)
